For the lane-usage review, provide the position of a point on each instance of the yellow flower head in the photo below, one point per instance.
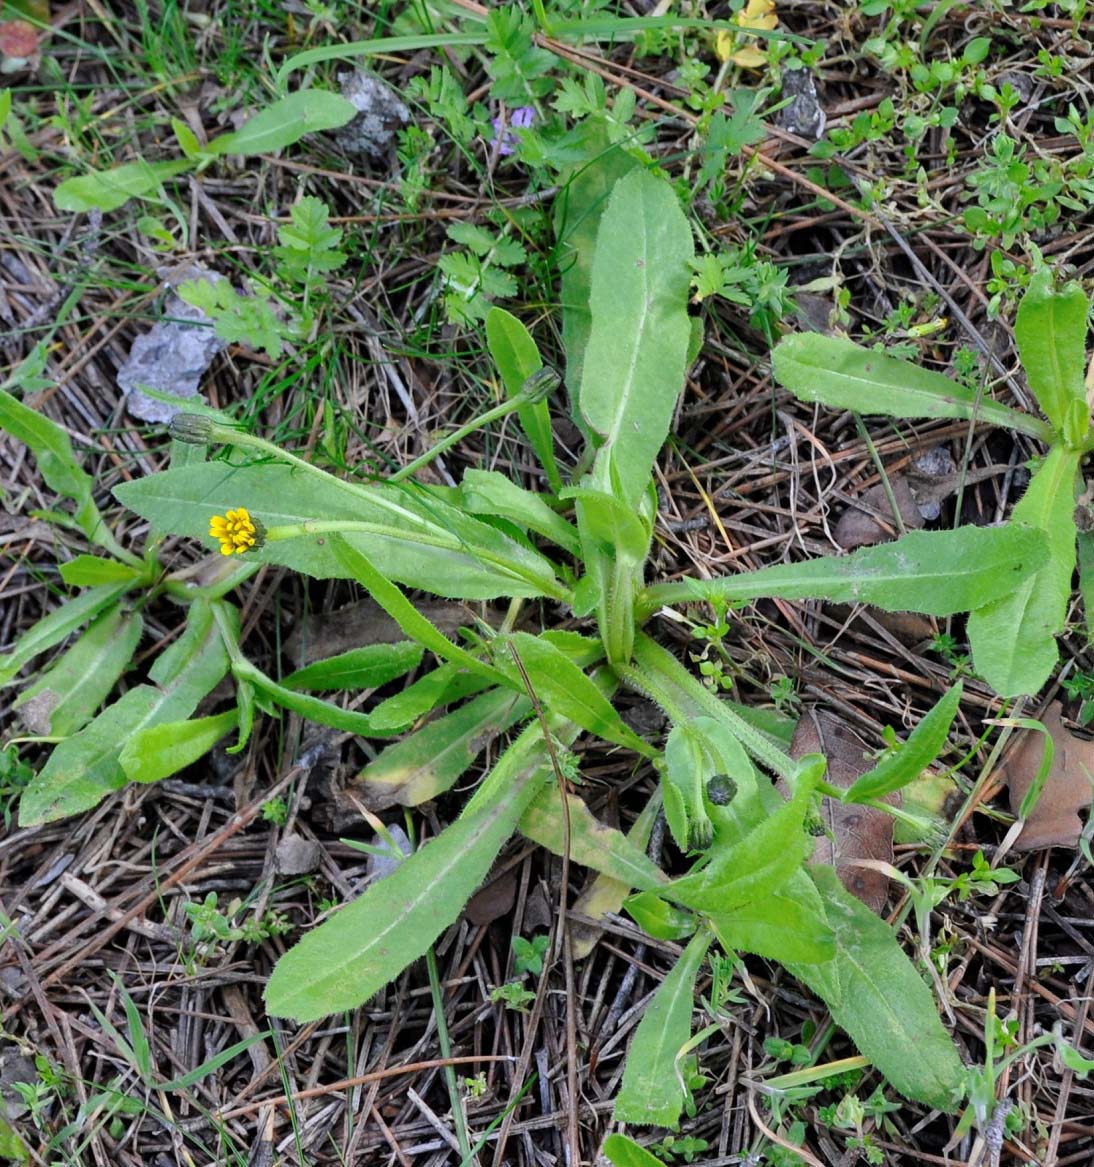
(756, 14)
(236, 531)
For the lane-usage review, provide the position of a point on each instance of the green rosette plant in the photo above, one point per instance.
(579, 548)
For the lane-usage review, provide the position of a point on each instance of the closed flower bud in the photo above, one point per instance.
(540, 385)
(194, 428)
(721, 790)
(700, 834)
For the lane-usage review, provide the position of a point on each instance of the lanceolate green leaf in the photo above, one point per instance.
(418, 627)
(52, 629)
(875, 994)
(839, 373)
(57, 462)
(106, 190)
(65, 698)
(286, 121)
(592, 844)
(937, 572)
(432, 759)
(1050, 329)
(367, 667)
(86, 767)
(421, 541)
(1013, 639)
(370, 941)
(578, 210)
(924, 744)
(487, 492)
(604, 894)
(566, 690)
(89, 571)
(788, 926)
(162, 750)
(436, 689)
(313, 708)
(610, 525)
(637, 351)
(517, 357)
(652, 1092)
(660, 919)
(624, 1152)
(755, 867)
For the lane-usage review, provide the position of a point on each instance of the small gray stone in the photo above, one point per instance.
(15, 1066)
(802, 115)
(13, 983)
(385, 862)
(380, 115)
(296, 855)
(935, 463)
(171, 357)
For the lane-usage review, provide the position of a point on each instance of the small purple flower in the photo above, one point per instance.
(520, 119)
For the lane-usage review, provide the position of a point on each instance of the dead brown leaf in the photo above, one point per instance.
(1054, 821)
(325, 634)
(493, 901)
(910, 628)
(919, 493)
(870, 519)
(855, 832)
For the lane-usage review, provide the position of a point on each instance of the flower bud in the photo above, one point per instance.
(721, 790)
(540, 385)
(195, 428)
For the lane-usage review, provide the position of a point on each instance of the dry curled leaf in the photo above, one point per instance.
(853, 831)
(1054, 820)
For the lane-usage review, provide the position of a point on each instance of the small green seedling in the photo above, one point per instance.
(513, 995)
(528, 954)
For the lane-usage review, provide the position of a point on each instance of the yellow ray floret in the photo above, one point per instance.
(235, 531)
(756, 14)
